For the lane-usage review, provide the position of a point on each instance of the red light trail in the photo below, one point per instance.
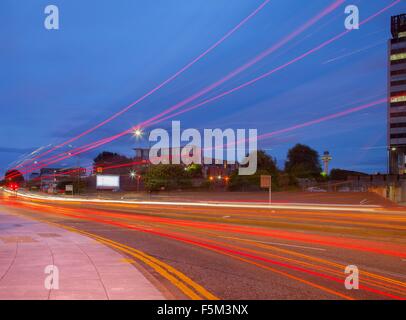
(174, 76)
(151, 121)
(227, 249)
(258, 58)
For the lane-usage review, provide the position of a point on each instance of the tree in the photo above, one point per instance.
(195, 170)
(266, 162)
(106, 159)
(266, 165)
(303, 162)
(340, 174)
(14, 176)
(166, 177)
(110, 157)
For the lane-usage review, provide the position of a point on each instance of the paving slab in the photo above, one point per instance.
(87, 269)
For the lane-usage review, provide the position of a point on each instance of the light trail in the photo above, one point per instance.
(301, 206)
(155, 225)
(174, 76)
(260, 137)
(219, 247)
(267, 74)
(112, 138)
(325, 118)
(250, 63)
(234, 73)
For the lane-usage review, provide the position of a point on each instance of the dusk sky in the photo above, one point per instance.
(55, 84)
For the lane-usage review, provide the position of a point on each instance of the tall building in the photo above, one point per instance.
(397, 94)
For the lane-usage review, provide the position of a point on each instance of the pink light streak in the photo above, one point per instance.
(258, 58)
(186, 67)
(109, 139)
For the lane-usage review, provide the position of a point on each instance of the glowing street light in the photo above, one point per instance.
(138, 133)
(132, 174)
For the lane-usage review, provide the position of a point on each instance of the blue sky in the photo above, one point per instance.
(106, 54)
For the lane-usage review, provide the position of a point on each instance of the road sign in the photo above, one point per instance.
(265, 181)
(69, 188)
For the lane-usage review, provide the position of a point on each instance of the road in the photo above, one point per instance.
(210, 252)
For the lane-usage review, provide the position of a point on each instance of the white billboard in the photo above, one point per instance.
(107, 182)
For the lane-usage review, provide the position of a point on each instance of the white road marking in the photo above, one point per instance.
(363, 201)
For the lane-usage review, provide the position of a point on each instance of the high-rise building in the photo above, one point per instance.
(397, 96)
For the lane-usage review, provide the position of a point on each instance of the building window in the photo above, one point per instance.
(398, 83)
(398, 99)
(398, 135)
(398, 56)
(398, 114)
(398, 125)
(397, 72)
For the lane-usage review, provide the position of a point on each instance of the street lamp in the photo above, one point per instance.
(138, 133)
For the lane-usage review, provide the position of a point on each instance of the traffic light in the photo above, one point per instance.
(14, 186)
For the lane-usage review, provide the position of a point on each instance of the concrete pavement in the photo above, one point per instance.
(86, 269)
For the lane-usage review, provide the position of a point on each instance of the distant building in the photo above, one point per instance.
(219, 171)
(397, 93)
(50, 177)
(141, 154)
(34, 175)
(210, 167)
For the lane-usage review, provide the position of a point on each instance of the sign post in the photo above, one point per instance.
(266, 182)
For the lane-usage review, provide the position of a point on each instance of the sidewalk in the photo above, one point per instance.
(87, 269)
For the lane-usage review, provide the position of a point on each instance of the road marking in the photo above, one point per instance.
(288, 275)
(177, 278)
(363, 201)
(278, 243)
(126, 260)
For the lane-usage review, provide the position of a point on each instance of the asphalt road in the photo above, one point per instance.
(242, 253)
